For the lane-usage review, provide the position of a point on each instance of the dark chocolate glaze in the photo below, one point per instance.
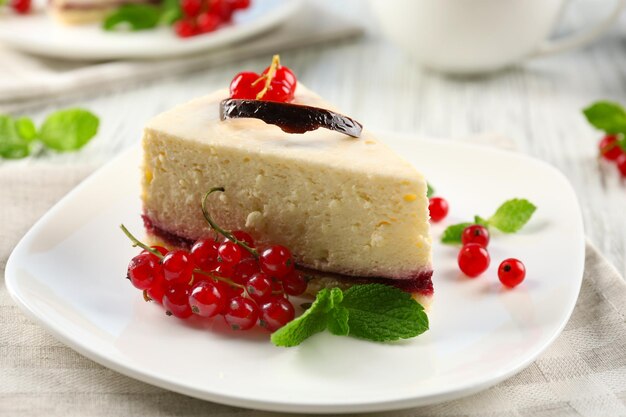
(291, 118)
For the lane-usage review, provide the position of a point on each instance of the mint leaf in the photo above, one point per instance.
(26, 128)
(338, 321)
(512, 215)
(134, 17)
(383, 313)
(453, 233)
(171, 12)
(68, 130)
(312, 321)
(430, 190)
(607, 116)
(12, 145)
(479, 220)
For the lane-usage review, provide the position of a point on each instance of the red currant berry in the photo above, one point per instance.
(21, 6)
(241, 313)
(191, 8)
(243, 237)
(277, 286)
(157, 290)
(475, 234)
(204, 254)
(177, 266)
(229, 253)
(276, 261)
(284, 74)
(240, 4)
(279, 91)
(144, 270)
(294, 283)
(473, 259)
(609, 148)
(207, 299)
(438, 208)
(511, 272)
(621, 164)
(244, 270)
(208, 22)
(259, 287)
(163, 251)
(276, 313)
(224, 270)
(185, 28)
(176, 301)
(241, 86)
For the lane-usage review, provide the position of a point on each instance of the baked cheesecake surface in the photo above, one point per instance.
(342, 205)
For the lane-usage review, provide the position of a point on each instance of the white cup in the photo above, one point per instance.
(474, 36)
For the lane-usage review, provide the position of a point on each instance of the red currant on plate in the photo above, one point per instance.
(243, 237)
(259, 287)
(143, 270)
(21, 6)
(208, 22)
(475, 233)
(185, 28)
(229, 253)
(244, 270)
(438, 208)
(177, 266)
(176, 301)
(294, 283)
(284, 74)
(207, 299)
(191, 8)
(204, 253)
(621, 164)
(473, 259)
(157, 290)
(276, 261)
(511, 272)
(241, 313)
(276, 313)
(609, 149)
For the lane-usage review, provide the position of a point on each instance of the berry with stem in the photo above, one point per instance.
(276, 313)
(207, 299)
(178, 266)
(259, 287)
(144, 270)
(276, 261)
(176, 301)
(241, 313)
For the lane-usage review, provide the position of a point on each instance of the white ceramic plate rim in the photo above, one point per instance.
(467, 387)
(115, 50)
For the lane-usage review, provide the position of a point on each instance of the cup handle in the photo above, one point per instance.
(580, 38)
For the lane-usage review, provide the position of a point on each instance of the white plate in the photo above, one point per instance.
(39, 34)
(68, 274)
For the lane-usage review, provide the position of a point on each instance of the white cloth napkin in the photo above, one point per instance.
(27, 79)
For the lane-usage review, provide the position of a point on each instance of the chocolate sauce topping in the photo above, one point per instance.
(291, 118)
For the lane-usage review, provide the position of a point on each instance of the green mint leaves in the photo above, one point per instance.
(65, 130)
(609, 117)
(143, 16)
(430, 190)
(373, 312)
(510, 217)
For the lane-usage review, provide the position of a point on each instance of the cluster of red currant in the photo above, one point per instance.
(225, 276)
(473, 258)
(275, 83)
(611, 151)
(204, 16)
(20, 6)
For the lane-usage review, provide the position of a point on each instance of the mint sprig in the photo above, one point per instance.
(609, 117)
(143, 16)
(430, 190)
(64, 130)
(372, 311)
(510, 217)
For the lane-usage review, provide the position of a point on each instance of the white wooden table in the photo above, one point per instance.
(537, 105)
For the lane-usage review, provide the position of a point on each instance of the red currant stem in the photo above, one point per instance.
(146, 297)
(137, 242)
(608, 148)
(221, 231)
(268, 77)
(218, 278)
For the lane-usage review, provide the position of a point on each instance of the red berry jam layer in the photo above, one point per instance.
(420, 282)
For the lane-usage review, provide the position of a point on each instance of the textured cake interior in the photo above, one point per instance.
(344, 205)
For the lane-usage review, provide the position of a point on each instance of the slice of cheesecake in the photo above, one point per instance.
(350, 209)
